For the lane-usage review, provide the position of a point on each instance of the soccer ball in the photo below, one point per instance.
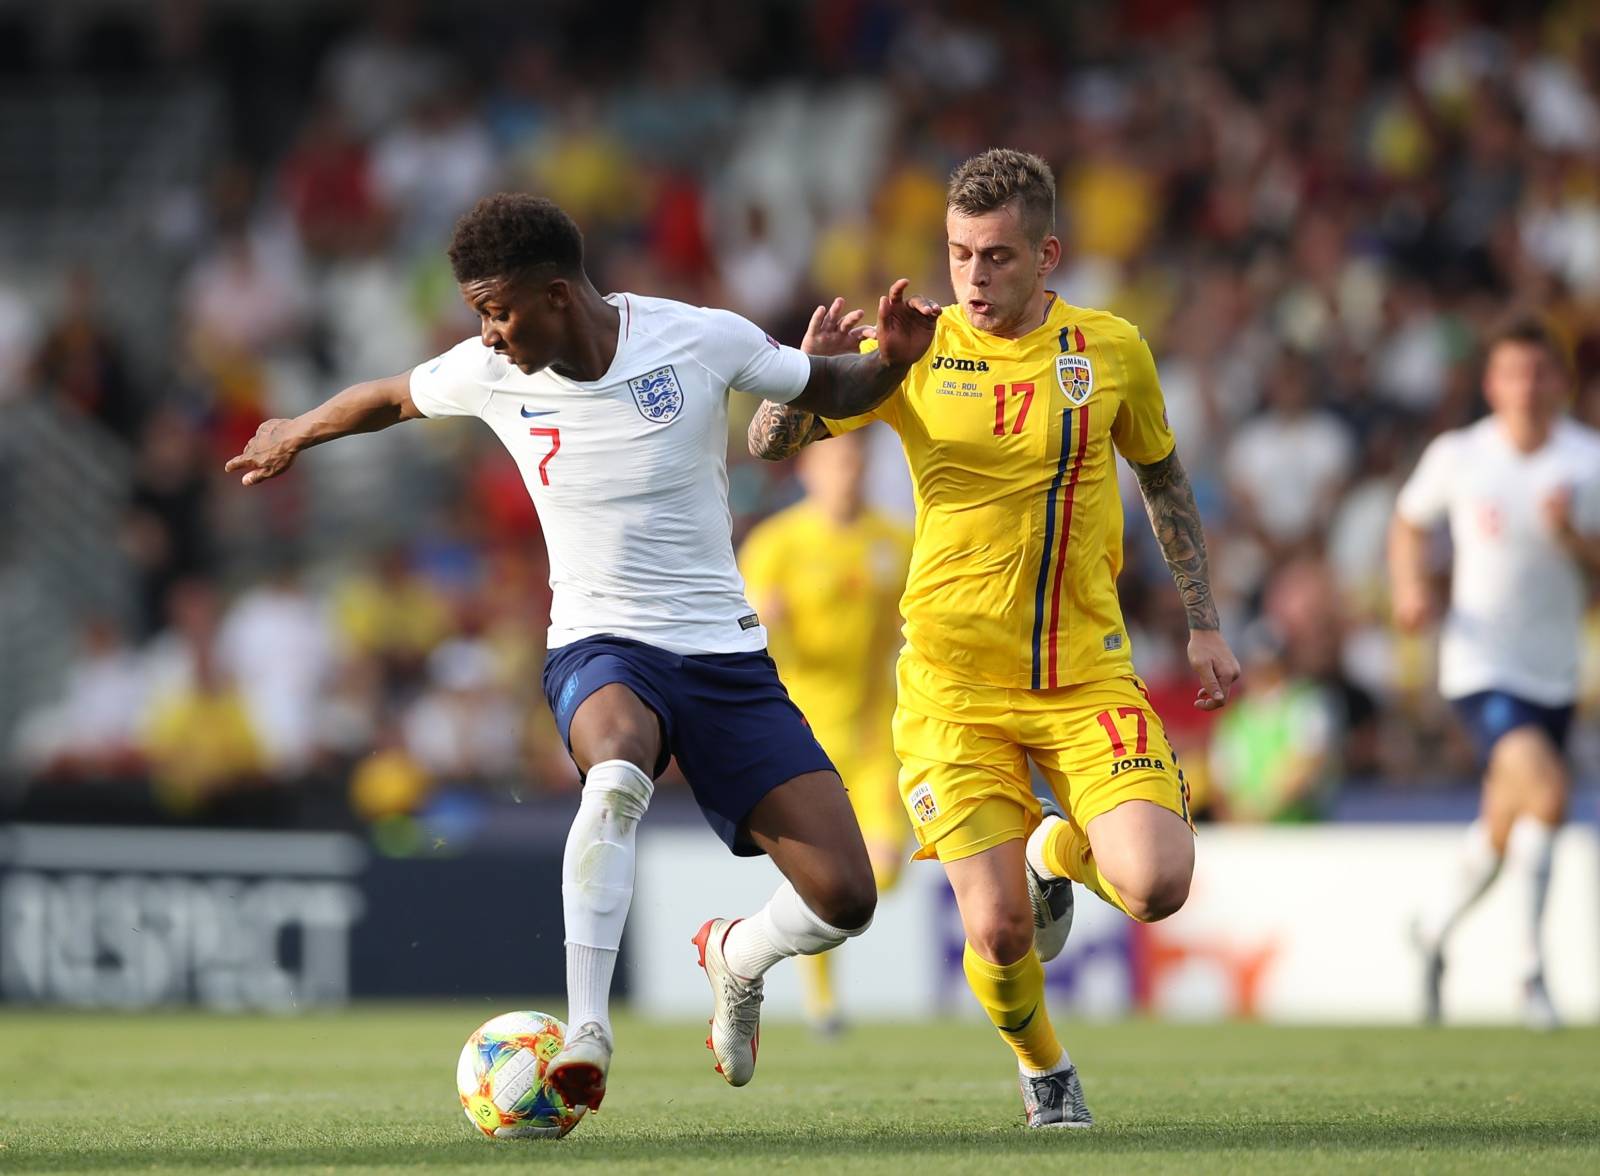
(500, 1078)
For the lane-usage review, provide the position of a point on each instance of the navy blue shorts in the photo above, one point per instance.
(1492, 713)
(726, 716)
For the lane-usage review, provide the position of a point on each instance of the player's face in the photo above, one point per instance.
(833, 472)
(522, 321)
(996, 271)
(1523, 381)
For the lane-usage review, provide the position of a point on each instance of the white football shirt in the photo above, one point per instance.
(629, 473)
(1516, 597)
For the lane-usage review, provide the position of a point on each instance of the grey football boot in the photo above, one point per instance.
(1055, 1100)
(1050, 897)
(1431, 954)
(1538, 1010)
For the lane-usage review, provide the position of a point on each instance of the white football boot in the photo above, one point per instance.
(736, 1007)
(578, 1072)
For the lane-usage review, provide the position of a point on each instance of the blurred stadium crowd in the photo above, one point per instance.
(1312, 210)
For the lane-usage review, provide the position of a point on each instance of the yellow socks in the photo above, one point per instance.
(1013, 996)
(1066, 854)
(816, 983)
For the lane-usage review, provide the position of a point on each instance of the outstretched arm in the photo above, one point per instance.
(1169, 501)
(849, 385)
(778, 431)
(360, 408)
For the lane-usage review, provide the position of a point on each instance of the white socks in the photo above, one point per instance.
(1478, 867)
(589, 972)
(1033, 849)
(1528, 853)
(1066, 1060)
(1529, 850)
(597, 884)
(784, 927)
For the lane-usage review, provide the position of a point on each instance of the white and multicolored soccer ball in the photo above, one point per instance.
(500, 1078)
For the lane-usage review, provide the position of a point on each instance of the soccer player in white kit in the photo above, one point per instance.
(615, 409)
(1520, 492)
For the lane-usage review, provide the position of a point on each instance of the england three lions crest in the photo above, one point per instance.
(1076, 376)
(657, 395)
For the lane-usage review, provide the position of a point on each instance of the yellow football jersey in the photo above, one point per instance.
(827, 594)
(1011, 444)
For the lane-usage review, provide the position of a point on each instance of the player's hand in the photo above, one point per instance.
(1556, 508)
(268, 454)
(1211, 658)
(1413, 605)
(905, 325)
(832, 332)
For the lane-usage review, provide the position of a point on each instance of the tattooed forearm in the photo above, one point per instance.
(778, 431)
(1169, 501)
(849, 385)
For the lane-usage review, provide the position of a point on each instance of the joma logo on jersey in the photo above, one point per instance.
(1138, 761)
(949, 362)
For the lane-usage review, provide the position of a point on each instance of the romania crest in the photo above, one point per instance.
(1076, 376)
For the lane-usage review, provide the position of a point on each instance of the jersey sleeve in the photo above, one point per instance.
(1141, 432)
(752, 361)
(457, 383)
(888, 411)
(1425, 498)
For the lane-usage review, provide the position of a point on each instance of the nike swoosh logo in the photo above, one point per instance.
(1026, 1021)
(546, 412)
(435, 367)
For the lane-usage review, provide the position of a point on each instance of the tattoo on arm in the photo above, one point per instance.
(778, 431)
(1169, 501)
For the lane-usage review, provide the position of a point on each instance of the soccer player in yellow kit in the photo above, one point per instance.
(1016, 649)
(825, 575)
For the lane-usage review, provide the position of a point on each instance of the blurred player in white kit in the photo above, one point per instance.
(1520, 493)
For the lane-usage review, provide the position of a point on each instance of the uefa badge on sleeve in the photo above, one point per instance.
(657, 395)
(1076, 377)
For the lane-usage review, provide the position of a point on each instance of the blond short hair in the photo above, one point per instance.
(1003, 174)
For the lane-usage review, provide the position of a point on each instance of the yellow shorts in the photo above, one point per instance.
(869, 771)
(964, 755)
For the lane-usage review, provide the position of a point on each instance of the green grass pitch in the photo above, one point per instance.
(372, 1090)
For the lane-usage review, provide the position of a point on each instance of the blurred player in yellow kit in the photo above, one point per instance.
(1016, 651)
(825, 575)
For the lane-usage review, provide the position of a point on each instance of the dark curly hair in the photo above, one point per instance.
(511, 234)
